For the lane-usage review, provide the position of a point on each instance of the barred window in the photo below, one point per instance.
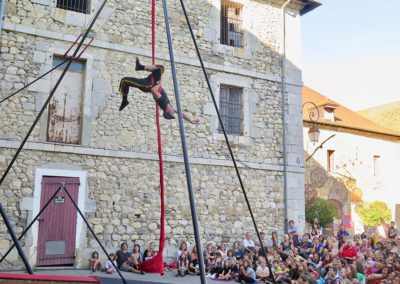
(231, 106)
(231, 24)
(80, 6)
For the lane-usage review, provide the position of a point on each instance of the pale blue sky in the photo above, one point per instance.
(351, 51)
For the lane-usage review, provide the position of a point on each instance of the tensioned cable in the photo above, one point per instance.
(226, 138)
(55, 67)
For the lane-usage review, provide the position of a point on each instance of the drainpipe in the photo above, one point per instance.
(1, 14)
(283, 106)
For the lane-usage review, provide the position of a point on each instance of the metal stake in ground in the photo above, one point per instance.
(226, 137)
(93, 233)
(184, 149)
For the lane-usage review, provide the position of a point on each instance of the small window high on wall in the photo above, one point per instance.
(65, 108)
(376, 165)
(330, 167)
(80, 6)
(231, 108)
(231, 24)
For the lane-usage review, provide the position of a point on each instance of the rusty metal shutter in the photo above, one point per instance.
(65, 108)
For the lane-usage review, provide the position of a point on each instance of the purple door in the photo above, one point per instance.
(57, 224)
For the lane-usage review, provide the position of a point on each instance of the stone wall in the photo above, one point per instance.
(118, 148)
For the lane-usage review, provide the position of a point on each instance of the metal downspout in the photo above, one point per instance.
(1, 14)
(283, 106)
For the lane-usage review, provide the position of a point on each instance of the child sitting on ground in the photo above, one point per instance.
(183, 265)
(109, 268)
(94, 262)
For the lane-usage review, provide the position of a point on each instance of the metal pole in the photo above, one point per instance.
(93, 233)
(184, 149)
(2, 211)
(32, 222)
(226, 138)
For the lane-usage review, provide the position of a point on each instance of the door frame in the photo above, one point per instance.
(40, 172)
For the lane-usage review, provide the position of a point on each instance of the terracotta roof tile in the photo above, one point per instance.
(344, 117)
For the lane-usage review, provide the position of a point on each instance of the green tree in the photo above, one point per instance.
(372, 213)
(323, 210)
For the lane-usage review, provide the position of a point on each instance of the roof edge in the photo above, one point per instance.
(309, 6)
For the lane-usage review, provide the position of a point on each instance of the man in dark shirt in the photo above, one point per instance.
(150, 84)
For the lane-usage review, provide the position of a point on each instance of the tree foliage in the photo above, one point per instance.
(323, 210)
(372, 213)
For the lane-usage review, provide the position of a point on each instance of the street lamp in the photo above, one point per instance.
(313, 132)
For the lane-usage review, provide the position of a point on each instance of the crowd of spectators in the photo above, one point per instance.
(372, 257)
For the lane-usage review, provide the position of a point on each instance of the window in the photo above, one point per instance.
(330, 168)
(376, 165)
(231, 106)
(80, 6)
(65, 108)
(231, 24)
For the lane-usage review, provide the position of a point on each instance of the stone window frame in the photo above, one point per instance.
(228, 119)
(68, 17)
(213, 31)
(225, 5)
(44, 89)
(249, 97)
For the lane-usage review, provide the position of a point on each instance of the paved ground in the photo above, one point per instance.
(168, 277)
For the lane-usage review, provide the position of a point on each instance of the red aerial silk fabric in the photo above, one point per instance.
(156, 264)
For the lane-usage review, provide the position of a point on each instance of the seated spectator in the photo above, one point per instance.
(136, 253)
(149, 252)
(262, 271)
(95, 262)
(237, 252)
(182, 249)
(305, 247)
(263, 240)
(169, 251)
(274, 242)
(131, 266)
(194, 263)
(342, 235)
(222, 250)
(216, 267)
(315, 230)
(248, 242)
(109, 267)
(246, 273)
(233, 271)
(122, 255)
(229, 255)
(392, 234)
(348, 251)
(183, 265)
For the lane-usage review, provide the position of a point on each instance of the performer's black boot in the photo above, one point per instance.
(124, 102)
(138, 65)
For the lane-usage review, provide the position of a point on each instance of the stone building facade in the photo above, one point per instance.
(358, 160)
(113, 154)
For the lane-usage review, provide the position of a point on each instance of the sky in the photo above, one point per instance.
(351, 51)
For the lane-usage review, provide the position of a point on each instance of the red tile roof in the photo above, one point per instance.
(344, 117)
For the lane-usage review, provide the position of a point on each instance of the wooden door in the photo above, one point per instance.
(57, 224)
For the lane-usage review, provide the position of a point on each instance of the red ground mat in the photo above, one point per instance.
(45, 279)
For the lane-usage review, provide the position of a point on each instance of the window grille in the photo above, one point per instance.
(231, 24)
(80, 6)
(231, 108)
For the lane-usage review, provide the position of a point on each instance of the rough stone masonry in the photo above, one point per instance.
(117, 153)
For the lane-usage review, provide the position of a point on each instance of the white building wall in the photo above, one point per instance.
(354, 157)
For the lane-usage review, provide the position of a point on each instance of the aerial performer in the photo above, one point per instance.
(146, 85)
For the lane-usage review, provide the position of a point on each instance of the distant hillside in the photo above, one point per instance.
(387, 115)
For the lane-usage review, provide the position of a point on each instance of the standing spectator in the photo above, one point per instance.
(342, 235)
(122, 255)
(248, 243)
